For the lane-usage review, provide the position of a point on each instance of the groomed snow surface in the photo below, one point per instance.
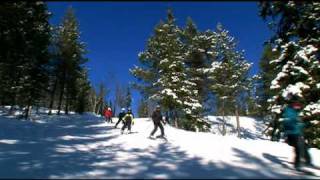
(85, 146)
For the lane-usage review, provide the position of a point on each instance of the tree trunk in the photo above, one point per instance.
(37, 109)
(176, 119)
(102, 107)
(61, 96)
(11, 109)
(98, 107)
(167, 117)
(12, 106)
(238, 121)
(66, 107)
(94, 104)
(223, 120)
(114, 108)
(275, 127)
(26, 112)
(264, 131)
(52, 96)
(66, 110)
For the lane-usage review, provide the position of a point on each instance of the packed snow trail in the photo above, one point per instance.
(85, 146)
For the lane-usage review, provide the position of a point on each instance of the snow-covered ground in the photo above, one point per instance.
(85, 146)
(250, 128)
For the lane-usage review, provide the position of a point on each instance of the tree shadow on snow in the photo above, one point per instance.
(41, 152)
(244, 133)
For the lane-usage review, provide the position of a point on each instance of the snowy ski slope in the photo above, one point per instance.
(85, 146)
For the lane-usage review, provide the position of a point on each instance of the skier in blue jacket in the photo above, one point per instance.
(293, 130)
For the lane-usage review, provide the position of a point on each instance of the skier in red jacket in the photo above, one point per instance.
(108, 115)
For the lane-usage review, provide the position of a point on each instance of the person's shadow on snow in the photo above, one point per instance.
(276, 160)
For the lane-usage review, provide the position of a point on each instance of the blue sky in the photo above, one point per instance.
(115, 32)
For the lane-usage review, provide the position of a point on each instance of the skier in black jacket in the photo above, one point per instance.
(120, 117)
(157, 119)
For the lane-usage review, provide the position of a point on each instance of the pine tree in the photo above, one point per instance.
(297, 66)
(199, 54)
(229, 72)
(71, 51)
(165, 76)
(82, 96)
(267, 74)
(24, 37)
(53, 68)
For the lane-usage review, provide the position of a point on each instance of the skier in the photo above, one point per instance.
(120, 116)
(108, 115)
(128, 121)
(293, 130)
(105, 113)
(157, 119)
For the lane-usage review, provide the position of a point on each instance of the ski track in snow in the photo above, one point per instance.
(85, 146)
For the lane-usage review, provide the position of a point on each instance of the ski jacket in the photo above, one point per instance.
(156, 116)
(108, 113)
(291, 122)
(128, 117)
(121, 115)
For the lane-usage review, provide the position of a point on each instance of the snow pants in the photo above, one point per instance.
(300, 149)
(156, 125)
(127, 123)
(108, 119)
(119, 120)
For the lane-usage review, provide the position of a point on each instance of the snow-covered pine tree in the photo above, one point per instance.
(165, 72)
(298, 65)
(267, 74)
(229, 72)
(298, 69)
(250, 98)
(24, 56)
(199, 54)
(147, 72)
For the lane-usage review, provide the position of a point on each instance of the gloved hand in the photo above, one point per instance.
(132, 122)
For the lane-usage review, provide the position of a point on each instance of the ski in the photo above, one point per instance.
(126, 133)
(306, 172)
(158, 137)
